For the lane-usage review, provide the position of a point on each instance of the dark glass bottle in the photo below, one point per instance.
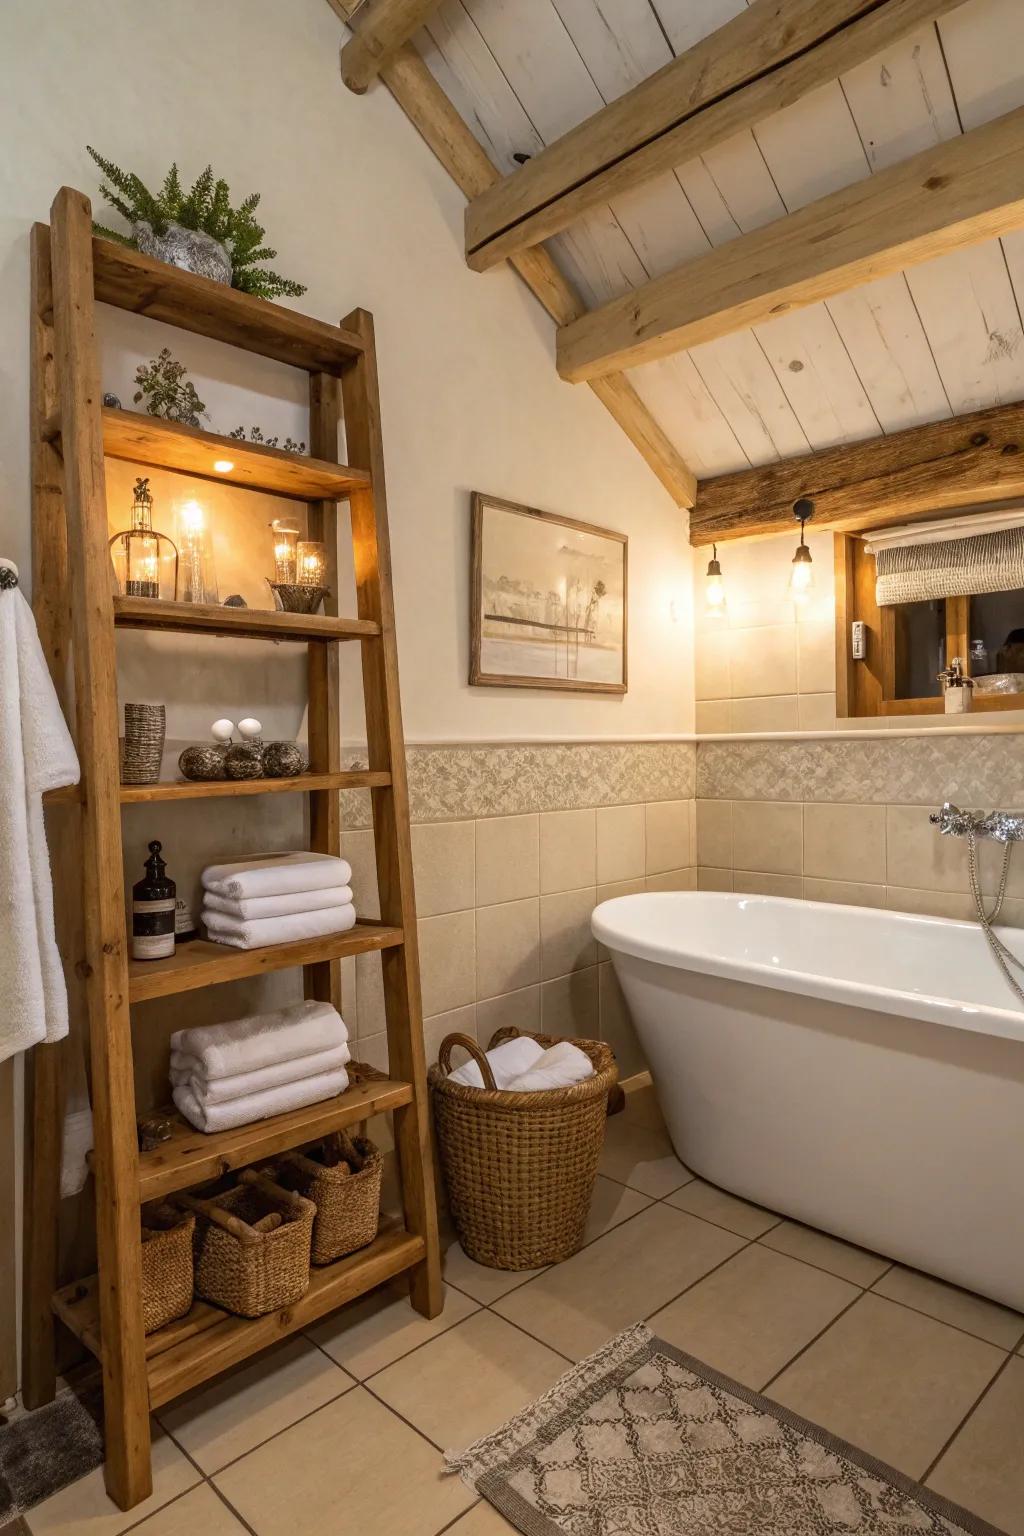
(153, 906)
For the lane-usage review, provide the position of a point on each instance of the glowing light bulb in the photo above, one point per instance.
(193, 520)
(714, 586)
(223, 466)
(801, 576)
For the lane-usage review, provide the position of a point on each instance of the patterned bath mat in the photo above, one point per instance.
(642, 1440)
(46, 1450)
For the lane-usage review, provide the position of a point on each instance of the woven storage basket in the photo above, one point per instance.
(252, 1246)
(167, 1286)
(519, 1168)
(347, 1201)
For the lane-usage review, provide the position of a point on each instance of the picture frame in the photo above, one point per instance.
(548, 601)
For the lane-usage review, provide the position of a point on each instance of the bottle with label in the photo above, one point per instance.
(153, 907)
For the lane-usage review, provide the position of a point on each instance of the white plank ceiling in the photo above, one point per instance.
(943, 338)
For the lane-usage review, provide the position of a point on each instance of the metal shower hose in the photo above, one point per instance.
(1003, 957)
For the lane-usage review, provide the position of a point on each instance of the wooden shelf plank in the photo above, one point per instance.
(303, 783)
(152, 441)
(202, 964)
(208, 1341)
(191, 1157)
(129, 280)
(244, 623)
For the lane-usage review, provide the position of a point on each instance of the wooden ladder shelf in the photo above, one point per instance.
(77, 616)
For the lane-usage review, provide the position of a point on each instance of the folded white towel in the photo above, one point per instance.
(508, 1060)
(560, 1067)
(246, 907)
(278, 874)
(221, 1090)
(36, 754)
(258, 1040)
(261, 931)
(259, 1106)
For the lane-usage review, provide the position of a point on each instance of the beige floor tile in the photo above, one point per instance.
(843, 1259)
(626, 1275)
(221, 1422)
(468, 1381)
(612, 1203)
(753, 1314)
(199, 1513)
(484, 1520)
(477, 1280)
(974, 1314)
(378, 1330)
(637, 1152)
(723, 1209)
(983, 1469)
(353, 1466)
(83, 1509)
(890, 1381)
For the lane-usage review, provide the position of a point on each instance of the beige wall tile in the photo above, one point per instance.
(373, 1049)
(763, 661)
(370, 994)
(714, 879)
(513, 1010)
(507, 859)
(917, 857)
(507, 947)
(845, 842)
(358, 848)
(569, 1005)
(620, 842)
(711, 719)
(447, 961)
(568, 850)
(711, 664)
(751, 883)
(768, 836)
(844, 892)
(444, 861)
(667, 835)
(459, 1021)
(609, 892)
(349, 994)
(714, 833)
(616, 1023)
(778, 713)
(566, 943)
(816, 711)
(674, 880)
(816, 658)
(953, 904)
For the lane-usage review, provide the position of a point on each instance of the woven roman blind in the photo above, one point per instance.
(955, 558)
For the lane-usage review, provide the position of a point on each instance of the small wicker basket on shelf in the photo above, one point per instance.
(167, 1285)
(342, 1177)
(519, 1168)
(252, 1245)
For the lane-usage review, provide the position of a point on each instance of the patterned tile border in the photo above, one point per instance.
(983, 771)
(466, 782)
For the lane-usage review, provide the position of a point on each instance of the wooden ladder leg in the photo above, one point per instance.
(372, 553)
(116, 1166)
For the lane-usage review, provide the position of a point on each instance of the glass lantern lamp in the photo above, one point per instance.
(312, 563)
(300, 570)
(285, 553)
(145, 562)
(197, 581)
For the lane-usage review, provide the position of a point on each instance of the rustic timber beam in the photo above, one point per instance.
(381, 29)
(429, 110)
(962, 462)
(762, 60)
(955, 194)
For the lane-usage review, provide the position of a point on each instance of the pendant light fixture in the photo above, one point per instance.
(714, 587)
(801, 579)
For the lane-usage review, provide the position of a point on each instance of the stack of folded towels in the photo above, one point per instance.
(276, 898)
(523, 1066)
(231, 1074)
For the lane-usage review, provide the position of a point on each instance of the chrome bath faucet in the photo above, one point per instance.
(1000, 826)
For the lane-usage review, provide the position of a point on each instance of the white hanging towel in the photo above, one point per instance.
(36, 754)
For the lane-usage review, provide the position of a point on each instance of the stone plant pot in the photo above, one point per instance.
(190, 249)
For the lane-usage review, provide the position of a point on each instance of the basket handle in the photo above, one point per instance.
(444, 1057)
(240, 1230)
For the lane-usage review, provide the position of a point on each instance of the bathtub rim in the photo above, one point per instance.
(951, 1013)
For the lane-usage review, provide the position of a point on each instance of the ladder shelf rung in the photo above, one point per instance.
(202, 964)
(191, 1157)
(303, 783)
(243, 623)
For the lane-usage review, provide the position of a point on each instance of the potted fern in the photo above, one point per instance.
(198, 230)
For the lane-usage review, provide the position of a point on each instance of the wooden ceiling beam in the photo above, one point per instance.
(378, 32)
(432, 114)
(956, 194)
(965, 461)
(764, 59)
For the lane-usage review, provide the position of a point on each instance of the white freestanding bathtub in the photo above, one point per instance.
(859, 1070)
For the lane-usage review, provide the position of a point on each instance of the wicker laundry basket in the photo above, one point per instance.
(342, 1177)
(252, 1245)
(519, 1168)
(167, 1285)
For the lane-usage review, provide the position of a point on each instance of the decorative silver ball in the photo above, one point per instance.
(205, 762)
(283, 760)
(244, 761)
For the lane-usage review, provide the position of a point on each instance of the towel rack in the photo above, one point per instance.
(71, 434)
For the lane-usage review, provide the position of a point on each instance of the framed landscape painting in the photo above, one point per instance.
(548, 599)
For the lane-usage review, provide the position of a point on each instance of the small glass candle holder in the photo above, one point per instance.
(197, 580)
(285, 552)
(312, 563)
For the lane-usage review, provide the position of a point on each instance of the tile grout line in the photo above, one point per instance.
(968, 1415)
(819, 1335)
